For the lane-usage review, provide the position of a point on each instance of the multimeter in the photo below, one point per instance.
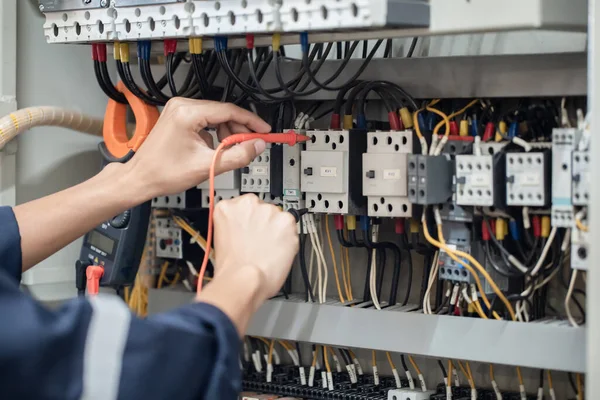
(117, 245)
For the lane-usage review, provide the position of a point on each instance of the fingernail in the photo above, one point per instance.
(260, 146)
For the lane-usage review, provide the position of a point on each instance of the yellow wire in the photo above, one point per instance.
(549, 374)
(335, 270)
(479, 309)
(464, 371)
(470, 375)
(314, 361)
(520, 376)
(414, 364)
(457, 113)
(271, 347)
(163, 272)
(390, 361)
(492, 373)
(449, 373)
(581, 226)
(284, 345)
(487, 277)
(348, 273)
(373, 358)
(343, 268)
(442, 245)
(326, 357)
(200, 241)
(445, 121)
(579, 387)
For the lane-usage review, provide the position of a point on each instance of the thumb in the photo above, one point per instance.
(239, 155)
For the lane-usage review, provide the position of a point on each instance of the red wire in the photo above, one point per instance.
(289, 138)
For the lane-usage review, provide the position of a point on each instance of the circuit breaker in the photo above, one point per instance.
(528, 179)
(478, 179)
(458, 237)
(581, 178)
(188, 199)
(331, 171)
(169, 239)
(429, 179)
(384, 175)
(563, 144)
(264, 175)
(292, 196)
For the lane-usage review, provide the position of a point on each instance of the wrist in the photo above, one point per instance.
(125, 183)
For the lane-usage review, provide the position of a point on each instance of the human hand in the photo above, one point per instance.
(247, 232)
(178, 152)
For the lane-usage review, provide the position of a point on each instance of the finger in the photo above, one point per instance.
(214, 113)
(239, 155)
(223, 131)
(234, 127)
(207, 138)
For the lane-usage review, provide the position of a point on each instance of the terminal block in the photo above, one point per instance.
(429, 179)
(169, 239)
(188, 199)
(581, 178)
(563, 145)
(384, 174)
(480, 180)
(528, 179)
(331, 169)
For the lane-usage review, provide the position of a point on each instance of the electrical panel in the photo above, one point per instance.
(332, 171)
(528, 179)
(429, 179)
(169, 239)
(385, 173)
(581, 178)
(476, 180)
(563, 144)
(188, 199)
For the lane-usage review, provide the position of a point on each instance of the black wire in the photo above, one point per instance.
(441, 365)
(125, 75)
(410, 270)
(403, 362)
(413, 45)
(387, 53)
(299, 353)
(541, 378)
(148, 78)
(497, 268)
(106, 84)
(365, 48)
(572, 382)
(338, 52)
(303, 269)
(381, 261)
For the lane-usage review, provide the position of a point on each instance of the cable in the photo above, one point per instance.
(333, 259)
(413, 45)
(579, 387)
(419, 374)
(302, 253)
(572, 320)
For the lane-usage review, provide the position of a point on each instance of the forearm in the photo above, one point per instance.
(237, 292)
(48, 224)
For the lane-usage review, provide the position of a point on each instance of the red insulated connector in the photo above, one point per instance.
(453, 128)
(490, 131)
(170, 46)
(399, 226)
(290, 138)
(400, 124)
(101, 51)
(249, 41)
(536, 223)
(93, 274)
(339, 222)
(485, 231)
(394, 121)
(335, 121)
(461, 138)
(95, 51)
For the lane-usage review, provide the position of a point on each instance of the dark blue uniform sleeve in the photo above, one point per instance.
(189, 353)
(10, 244)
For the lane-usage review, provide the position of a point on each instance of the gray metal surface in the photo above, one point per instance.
(463, 77)
(68, 5)
(129, 3)
(554, 346)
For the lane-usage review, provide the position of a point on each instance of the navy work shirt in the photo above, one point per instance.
(96, 349)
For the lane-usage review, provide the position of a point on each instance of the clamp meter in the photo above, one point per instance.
(115, 246)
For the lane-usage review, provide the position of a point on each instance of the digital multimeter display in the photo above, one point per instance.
(101, 242)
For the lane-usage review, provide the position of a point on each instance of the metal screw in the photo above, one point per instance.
(41, 7)
(87, 1)
(104, 3)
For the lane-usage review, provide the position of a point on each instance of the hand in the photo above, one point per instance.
(251, 232)
(177, 154)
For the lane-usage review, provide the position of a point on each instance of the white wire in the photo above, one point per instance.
(568, 299)
(321, 262)
(540, 262)
(320, 242)
(432, 276)
(373, 275)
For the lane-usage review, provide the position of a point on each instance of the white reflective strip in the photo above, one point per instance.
(104, 348)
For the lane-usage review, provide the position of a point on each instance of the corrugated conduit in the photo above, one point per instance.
(27, 118)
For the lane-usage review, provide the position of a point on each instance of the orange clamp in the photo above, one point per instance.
(115, 124)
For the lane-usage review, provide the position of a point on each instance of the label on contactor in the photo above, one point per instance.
(391, 174)
(260, 170)
(328, 171)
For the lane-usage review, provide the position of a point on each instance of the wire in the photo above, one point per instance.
(302, 253)
(579, 387)
(163, 272)
(333, 259)
(413, 45)
(572, 320)
(326, 359)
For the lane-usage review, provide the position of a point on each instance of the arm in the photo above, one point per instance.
(177, 141)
